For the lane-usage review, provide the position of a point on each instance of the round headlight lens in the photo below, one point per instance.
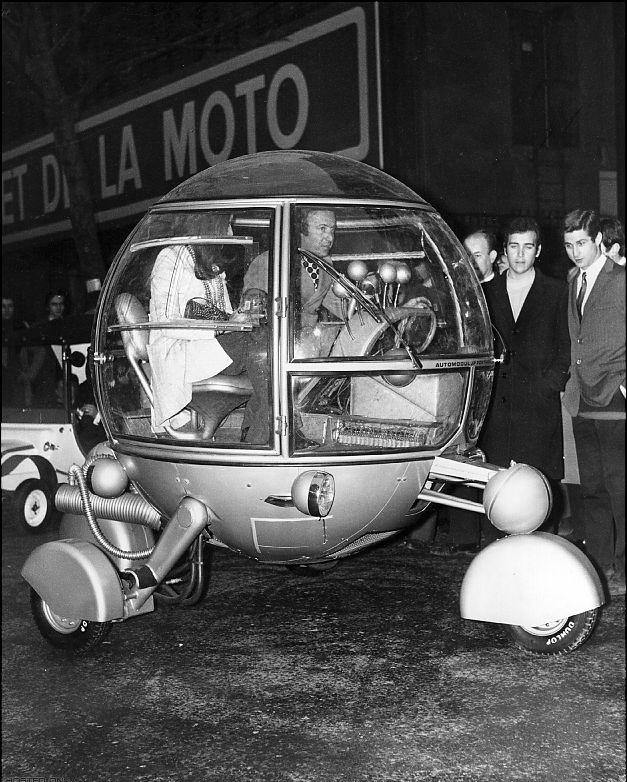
(313, 492)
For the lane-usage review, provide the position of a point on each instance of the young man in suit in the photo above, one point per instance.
(595, 392)
(524, 420)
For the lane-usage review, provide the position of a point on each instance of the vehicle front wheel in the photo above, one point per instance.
(33, 502)
(557, 637)
(74, 635)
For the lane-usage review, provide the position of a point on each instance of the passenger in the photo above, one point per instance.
(181, 358)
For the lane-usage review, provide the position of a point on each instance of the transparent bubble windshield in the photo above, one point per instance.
(364, 413)
(367, 281)
(186, 332)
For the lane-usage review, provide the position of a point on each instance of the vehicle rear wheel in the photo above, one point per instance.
(33, 501)
(74, 635)
(557, 637)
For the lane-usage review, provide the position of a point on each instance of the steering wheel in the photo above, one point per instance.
(367, 337)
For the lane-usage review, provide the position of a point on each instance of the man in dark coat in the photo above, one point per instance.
(529, 310)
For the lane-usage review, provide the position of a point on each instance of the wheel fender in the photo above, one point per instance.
(44, 468)
(529, 580)
(76, 579)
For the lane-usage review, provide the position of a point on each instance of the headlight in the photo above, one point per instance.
(313, 493)
(517, 500)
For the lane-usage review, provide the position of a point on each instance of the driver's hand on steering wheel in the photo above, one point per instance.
(417, 302)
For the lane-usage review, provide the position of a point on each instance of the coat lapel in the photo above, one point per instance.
(603, 281)
(532, 302)
(502, 308)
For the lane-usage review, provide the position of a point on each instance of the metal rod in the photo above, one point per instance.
(182, 323)
(172, 241)
(453, 502)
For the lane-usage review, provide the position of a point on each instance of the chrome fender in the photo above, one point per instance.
(76, 579)
(529, 580)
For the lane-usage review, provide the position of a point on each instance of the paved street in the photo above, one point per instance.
(366, 673)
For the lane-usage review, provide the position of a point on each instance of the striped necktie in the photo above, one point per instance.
(581, 294)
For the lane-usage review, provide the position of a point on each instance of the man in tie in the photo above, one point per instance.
(595, 392)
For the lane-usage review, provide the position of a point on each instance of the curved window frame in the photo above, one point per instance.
(103, 355)
(458, 267)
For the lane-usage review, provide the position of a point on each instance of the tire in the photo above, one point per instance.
(73, 635)
(34, 503)
(558, 637)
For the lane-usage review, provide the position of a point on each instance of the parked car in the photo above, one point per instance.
(43, 429)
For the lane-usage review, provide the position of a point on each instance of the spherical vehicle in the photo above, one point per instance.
(306, 351)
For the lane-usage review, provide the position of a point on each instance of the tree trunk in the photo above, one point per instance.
(62, 114)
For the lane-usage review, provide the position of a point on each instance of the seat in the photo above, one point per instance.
(218, 396)
(213, 398)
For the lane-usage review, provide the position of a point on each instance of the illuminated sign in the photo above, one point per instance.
(315, 89)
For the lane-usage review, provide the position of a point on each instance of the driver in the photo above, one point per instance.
(314, 299)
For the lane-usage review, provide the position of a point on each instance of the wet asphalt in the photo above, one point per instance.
(365, 673)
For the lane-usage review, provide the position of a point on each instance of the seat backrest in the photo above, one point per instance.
(130, 311)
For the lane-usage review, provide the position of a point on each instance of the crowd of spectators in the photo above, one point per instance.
(30, 369)
(565, 341)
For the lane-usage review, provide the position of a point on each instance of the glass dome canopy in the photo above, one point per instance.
(291, 173)
(298, 287)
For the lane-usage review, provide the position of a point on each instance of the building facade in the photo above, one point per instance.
(486, 109)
